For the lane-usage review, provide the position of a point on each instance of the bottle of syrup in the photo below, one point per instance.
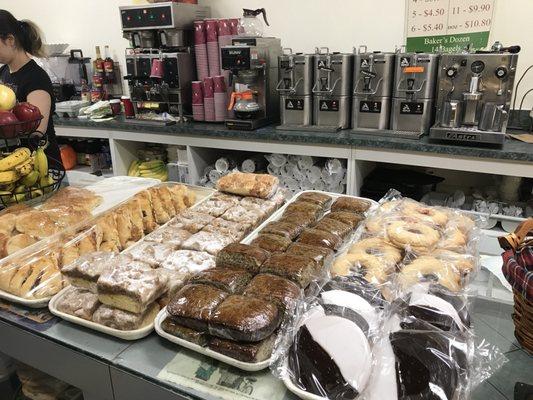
(99, 63)
(109, 67)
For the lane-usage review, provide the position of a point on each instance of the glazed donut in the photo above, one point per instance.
(373, 270)
(425, 214)
(462, 262)
(378, 248)
(453, 239)
(429, 267)
(419, 236)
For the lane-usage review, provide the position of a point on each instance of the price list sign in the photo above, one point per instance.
(448, 25)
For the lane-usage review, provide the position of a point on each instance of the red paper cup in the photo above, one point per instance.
(219, 84)
(209, 88)
(197, 92)
(199, 32)
(211, 28)
(234, 24)
(224, 27)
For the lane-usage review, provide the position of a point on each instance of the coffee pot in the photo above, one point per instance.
(250, 24)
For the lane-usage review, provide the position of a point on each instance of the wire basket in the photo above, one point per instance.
(19, 129)
(35, 195)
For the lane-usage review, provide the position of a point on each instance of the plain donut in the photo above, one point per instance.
(377, 247)
(419, 236)
(349, 264)
(426, 214)
(424, 267)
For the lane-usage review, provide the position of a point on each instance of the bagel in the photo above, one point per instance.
(377, 247)
(464, 263)
(375, 224)
(462, 222)
(418, 236)
(429, 267)
(425, 214)
(453, 239)
(370, 267)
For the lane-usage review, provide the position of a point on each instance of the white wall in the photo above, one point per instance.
(301, 24)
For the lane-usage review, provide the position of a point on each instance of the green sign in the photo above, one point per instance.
(448, 43)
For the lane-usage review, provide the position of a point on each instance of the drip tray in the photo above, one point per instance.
(389, 133)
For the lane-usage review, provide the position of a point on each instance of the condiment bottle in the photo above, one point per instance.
(109, 67)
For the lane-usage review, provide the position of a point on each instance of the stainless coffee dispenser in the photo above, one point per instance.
(253, 63)
(332, 91)
(414, 93)
(475, 91)
(295, 88)
(373, 79)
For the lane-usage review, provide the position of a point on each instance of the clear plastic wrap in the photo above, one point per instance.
(345, 203)
(271, 243)
(242, 256)
(299, 269)
(78, 302)
(312, 354)
(245, 184)
(280, 291)
(285, 229)
(315, 237)
(244, 319)
(230, 280)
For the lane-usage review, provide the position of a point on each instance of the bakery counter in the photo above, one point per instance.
(152, 368)
(514, 159)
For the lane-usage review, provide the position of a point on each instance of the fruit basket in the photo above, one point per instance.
(27, 177)
(19, 129)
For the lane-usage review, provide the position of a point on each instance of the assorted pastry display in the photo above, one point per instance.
(405, 242)
(36, 274)
(236, 309)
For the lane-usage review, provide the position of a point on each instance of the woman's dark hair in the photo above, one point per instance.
(27, 35)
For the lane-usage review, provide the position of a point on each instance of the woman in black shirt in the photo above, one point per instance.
(18, 41)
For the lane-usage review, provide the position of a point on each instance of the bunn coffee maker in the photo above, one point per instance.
(475, 91)
(373, 80)
(295, 88)
(253, 66)
(332, 91)
(413, 99)
(159, 64)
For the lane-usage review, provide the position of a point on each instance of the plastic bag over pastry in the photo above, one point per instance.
(245, 184)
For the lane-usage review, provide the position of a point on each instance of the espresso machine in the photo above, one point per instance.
(332, 91)
(475, 91)
(373, 79)
(295, 88)
(253, 66)
(413, 98)
(160, 63)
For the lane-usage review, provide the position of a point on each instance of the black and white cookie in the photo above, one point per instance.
(330, 357)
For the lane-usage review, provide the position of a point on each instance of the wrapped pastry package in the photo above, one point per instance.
(312, 354)
(43, 242)
(245, 184)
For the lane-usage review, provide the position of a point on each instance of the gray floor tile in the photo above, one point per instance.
(485, 331)
(486, 391)
(518, 369)
(498, 316)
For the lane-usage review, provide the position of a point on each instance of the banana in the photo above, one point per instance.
(46, 183)
(151, 171)
(36, 193)
(134, 166)
(5, 196)
(8, 176)
(25, 168)
(41, 162)
(30, 179)
(17, 157)
(10, 187)
(20, 189)
(151, 164)
(18, 198)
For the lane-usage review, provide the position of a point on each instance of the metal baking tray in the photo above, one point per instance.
(125, 335)
(245, 366)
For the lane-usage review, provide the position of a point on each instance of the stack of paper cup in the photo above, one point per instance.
(211, 30)
(209, 99)
(220, 98)
(200, 48)
(198, 101)
(234, 26)
(224, 39)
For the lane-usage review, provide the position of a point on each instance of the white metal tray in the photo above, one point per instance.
(302, 394)
(202, 194)
(204, 350)
(228, 360)
(126, 335)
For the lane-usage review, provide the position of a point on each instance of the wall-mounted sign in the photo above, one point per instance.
(448, 25)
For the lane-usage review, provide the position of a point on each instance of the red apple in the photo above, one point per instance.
(26, 112)
(8, 122)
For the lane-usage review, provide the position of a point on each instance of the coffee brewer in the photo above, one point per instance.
(373, 78)
(159, 64)
(253, 66)
(295, 88)
(475, 91)
(413, 99)
(332, 91)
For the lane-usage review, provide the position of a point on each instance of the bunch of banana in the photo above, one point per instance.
(155, 169)
(22, 170)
